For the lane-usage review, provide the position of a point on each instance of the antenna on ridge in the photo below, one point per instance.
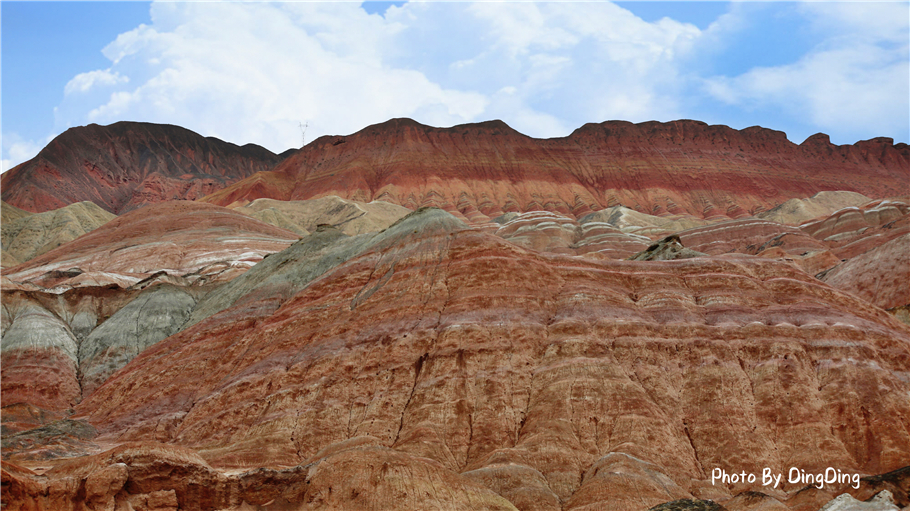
(303, 127)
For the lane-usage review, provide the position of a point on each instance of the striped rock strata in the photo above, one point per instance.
(562, 382)
(33, 235)
(127, 165)
(480, 171)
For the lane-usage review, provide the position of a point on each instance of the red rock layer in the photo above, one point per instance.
(479, 171)
(544, 231)
(749, 236)
(41, 334)
(881, 276)
(358, 475)
(195, 243)
(855, 230)
(128, 164)
(201, 242)
(561, 381)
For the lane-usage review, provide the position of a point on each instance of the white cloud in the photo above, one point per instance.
(854, 81)
(251, 72)
(83, 82)
(18, 150)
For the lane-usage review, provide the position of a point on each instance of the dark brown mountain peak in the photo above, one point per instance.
(128, 164)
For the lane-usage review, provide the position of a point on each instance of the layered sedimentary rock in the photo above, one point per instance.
(797, 211)
(193, 241)
(129, 477)
(667, 249)
(544, 231)
(303, 217)
(479, 171)
(128, 164)
(631, 221)
(10, 213)
(39, 360)
(151, 317)
(855, 230)
(57, 348)
(880, 276)
(564, 382)
(33, 235)
(75, 315)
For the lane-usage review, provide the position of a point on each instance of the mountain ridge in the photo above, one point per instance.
(127, 164)
(482, 170)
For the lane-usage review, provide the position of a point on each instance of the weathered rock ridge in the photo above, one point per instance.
(554, 381)
(128, 164)
(480, 171)
(33, 235)
(304, 217)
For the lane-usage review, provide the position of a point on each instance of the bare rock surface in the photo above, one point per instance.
(544, 231)
(855, 230)
(303, 217)
(881, 502)
(667, 249)
(689, 505)
(479, 171)
(200, 242)
(36, 234)
(357, 475)
(631, 221)
(608, 378)
(9, 213)
(127, 165)
(754, 501)
(39, 360)
(880, 276)
(798, 211)
(151, 317)
(7, 260)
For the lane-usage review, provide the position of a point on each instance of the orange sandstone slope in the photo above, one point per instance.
(556, 382)
(479, 171)
(128, 164)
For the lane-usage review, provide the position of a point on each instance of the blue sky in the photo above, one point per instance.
(253, 72)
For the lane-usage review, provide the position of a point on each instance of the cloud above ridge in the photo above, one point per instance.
(253, 72)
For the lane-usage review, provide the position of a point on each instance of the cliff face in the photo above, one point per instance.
(128, 164)
(479, 171)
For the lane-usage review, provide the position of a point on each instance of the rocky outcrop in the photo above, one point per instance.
(631, 221)
(77, 314)
(36, 234)
(39, 360)
(303, 217)
(7, 260)
(569, 381)
(667, 249)
(130, 477)
(881, 502)
(127, 165)
(480, 171)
